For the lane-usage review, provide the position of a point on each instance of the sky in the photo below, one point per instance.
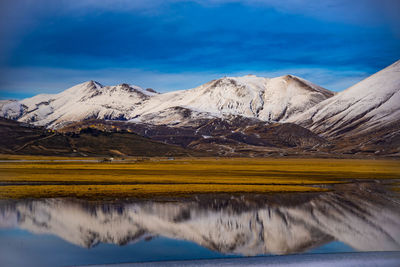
(47, 46)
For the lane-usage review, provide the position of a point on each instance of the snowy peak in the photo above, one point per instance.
(94, 84)
(84, 90)
(289, 95)
(250, 82)
(306, 85)
(92, 89)
(89, 100)
(374, 102)
(85, 87)
(250, 96)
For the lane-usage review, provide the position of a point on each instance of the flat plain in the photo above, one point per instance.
(42, 177)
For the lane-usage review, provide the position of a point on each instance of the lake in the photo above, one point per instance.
(354, 216)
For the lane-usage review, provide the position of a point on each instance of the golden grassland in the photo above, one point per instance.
(140, 190)
(160, 176)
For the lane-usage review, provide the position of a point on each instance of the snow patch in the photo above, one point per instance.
(11, 109)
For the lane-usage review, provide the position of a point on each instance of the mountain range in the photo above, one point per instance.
(274, 99)
(247, 115)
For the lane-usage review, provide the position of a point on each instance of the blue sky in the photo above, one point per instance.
(47, 46)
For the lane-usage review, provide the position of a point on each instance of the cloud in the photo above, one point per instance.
(195, 39)
(47, 46)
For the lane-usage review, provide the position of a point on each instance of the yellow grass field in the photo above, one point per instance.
(182, 176)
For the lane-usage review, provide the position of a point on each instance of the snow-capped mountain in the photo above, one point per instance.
(364, 223)
(273, 99)
(371, 104)
(83, 101)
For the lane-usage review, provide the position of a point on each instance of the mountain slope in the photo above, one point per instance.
(273, 99)
(17, 138)
(230, 136)
(369, 105)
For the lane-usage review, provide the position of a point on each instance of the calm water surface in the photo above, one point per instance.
(60, 232)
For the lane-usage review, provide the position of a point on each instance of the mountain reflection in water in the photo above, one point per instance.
(362, 216)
